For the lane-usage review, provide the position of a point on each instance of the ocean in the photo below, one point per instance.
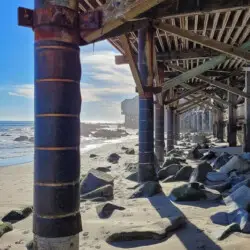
(13, 152)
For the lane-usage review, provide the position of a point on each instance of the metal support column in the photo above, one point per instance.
(220, 126)
(159, 132)
(247, 112)
(170, 130)
(232, 126)
(146, 171)
(177, 127)
(57, 221)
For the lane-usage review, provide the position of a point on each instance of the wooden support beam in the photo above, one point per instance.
(226, 49)
(176, 55)
(185, 94)
(215, 83)
(136, 10)
(193, 104)
(133, 66)
(197, 98)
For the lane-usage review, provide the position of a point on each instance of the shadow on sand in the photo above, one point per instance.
(166, 209)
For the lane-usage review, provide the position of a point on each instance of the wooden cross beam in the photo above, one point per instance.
(136, 10)
(192, 104)
(214, 82)
(226, 49)
(132, 63)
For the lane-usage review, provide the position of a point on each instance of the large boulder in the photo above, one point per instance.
(216, 176)
(22, 138)
(106, 210)
(95, 179)
(221, 160)
(102, 194)
(169, 170)
(147, 189)
(209, 155)
(5, 227)
(200, 172)
(17, 215)
(194, 192)
(155, 231)
(104, 169)
(184, 173)
(113, 158)
(194, 153)
(236, 163)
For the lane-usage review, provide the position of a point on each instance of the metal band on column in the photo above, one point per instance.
(146, 171)
(57, 125)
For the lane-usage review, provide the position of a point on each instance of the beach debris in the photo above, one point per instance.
(104, 211)
(155, 231)
(16, 215)
(147, 189)
(30, 245)
(131, 167)
(95, 179)
(113, 158)
(104, 169)
(101, 194)
(165, 172)
(216, 176)
(194, 153)
(235, 163)
(22, 138)
(221, 160)
(209, 155)
(93, 156)
(130, 151)
(240, 198)
(194, 192)
(200, 172)
(5, 227)
(237, 221)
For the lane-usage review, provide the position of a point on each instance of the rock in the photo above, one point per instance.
(104, 169)
(175, 152)
(170, 161)
(5, 227)
(194, 192)
(194, 153)
(30, 245)
(169, 170)
(235, 187)
(221, 160)
(113, 158)
(17, 215)
(184, 173)
(147, 189)
(124, 148)
(240, 198)
(130, 151)
(95, 179)
(131, 167)
(209, 155)
(93, 156)
(133, 177)
(223, 233)
(22, 138)
(31, 139)
(109, 134)
(220, 187)
(155, 231)
(104, 193)
(106, 210)
(235, 163)
(199, 173)
(216, 176)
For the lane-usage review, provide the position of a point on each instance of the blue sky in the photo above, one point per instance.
(103, 85)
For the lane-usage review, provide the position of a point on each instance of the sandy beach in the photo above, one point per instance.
(16, 191)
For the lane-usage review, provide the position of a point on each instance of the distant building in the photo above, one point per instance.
(130, 109)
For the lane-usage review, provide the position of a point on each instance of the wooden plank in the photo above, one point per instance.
(226, 49)
(134, 11)
(215, 83)
(132, 63)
